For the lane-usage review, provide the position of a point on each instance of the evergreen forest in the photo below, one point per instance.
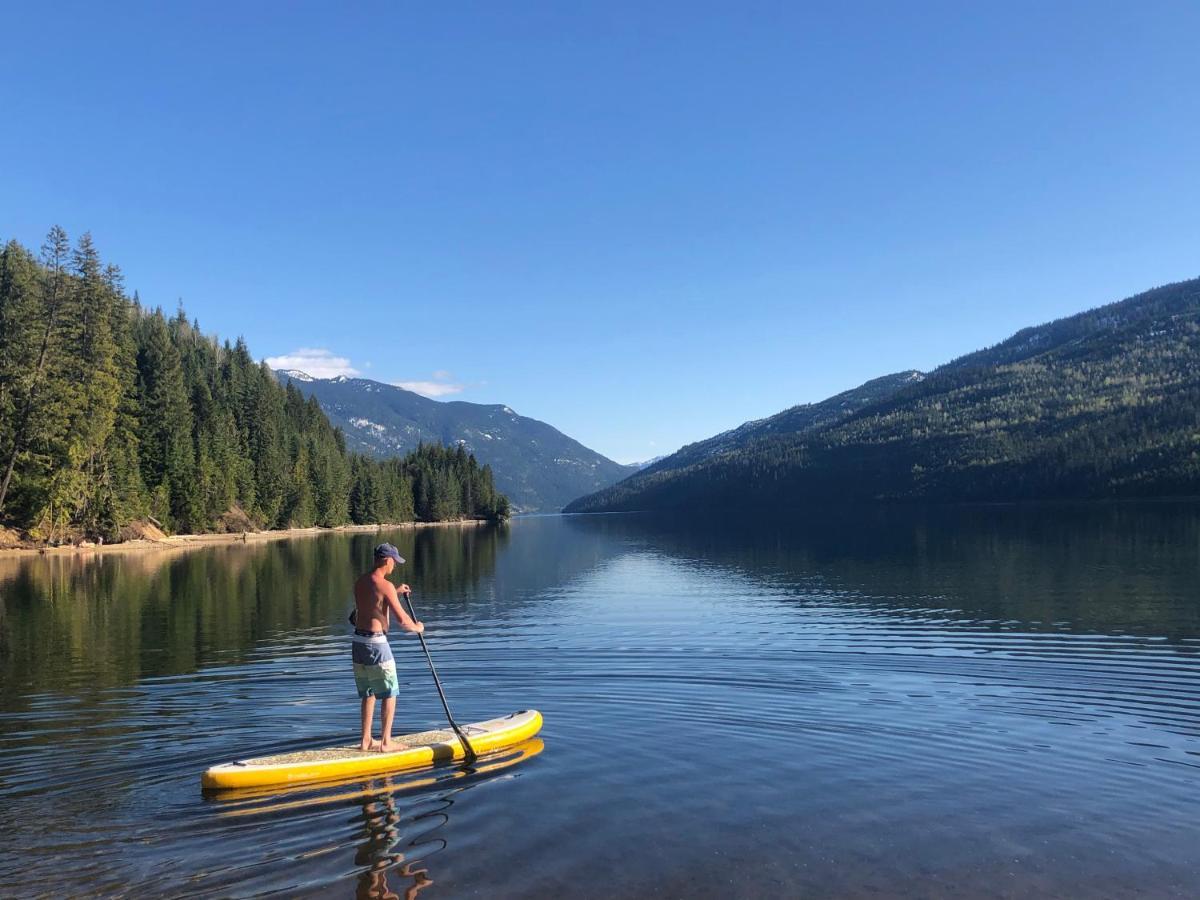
(1100, 405)
(113, 415)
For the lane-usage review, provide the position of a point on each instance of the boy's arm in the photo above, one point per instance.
(402, 616)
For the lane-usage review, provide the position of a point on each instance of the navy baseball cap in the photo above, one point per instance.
(385, 551)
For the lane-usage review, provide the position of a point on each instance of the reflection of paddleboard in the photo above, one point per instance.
(273, 798)
(417, 750)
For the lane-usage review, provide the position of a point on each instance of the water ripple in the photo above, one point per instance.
(714, 727)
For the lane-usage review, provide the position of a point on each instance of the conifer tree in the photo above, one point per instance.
(123, 495)
(36, 323)
(168, 464)
(109, 413)
(92, 395)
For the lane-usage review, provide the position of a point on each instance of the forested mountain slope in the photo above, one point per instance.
(537, 466)
(1101, 404)
(110, 413)
(804, 417)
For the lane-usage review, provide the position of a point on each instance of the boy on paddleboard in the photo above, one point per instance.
(375, 598)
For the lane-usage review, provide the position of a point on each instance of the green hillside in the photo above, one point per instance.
(538, 467)
(1102, 404)
(111, 414)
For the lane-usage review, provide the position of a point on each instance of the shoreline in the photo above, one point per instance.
(186, 541)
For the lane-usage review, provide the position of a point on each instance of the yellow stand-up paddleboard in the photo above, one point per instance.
(416, 751)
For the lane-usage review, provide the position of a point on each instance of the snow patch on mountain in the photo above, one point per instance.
(367, 424)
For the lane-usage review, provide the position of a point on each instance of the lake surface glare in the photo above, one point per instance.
(979, 702)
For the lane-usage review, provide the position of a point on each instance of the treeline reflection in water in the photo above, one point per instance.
(111, 618)
(1123, 568)
(901, 701)
(119, 617)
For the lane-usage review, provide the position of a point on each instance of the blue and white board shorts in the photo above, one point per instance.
(374, 667)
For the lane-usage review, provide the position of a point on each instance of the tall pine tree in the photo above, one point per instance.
(109, 414)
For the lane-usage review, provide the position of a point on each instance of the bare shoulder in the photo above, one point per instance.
(379, 584)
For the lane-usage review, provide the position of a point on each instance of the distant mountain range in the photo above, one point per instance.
(1105, 403)
(537, 466)
(648, 462)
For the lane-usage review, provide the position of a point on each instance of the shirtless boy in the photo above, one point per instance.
(375, 598)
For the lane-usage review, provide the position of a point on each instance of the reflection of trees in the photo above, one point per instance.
(94, 621)
(544, 554)
(504, 568)
(450, 560)
(1127, 568)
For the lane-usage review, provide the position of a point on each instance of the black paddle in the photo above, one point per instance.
(470, 753)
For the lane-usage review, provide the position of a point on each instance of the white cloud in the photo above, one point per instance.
(430, 388)
(442, 375)
(315, 361)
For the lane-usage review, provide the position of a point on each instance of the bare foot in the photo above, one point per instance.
(367, 748)
(387, 746)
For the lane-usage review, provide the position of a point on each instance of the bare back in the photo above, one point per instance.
(374, 601)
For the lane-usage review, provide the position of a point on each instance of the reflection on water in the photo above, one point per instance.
(376, 857)
(238, 802)
(393, 833)
(1079, 567)
(109, 619)
(987, 701)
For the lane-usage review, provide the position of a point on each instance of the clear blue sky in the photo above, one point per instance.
(642, 223)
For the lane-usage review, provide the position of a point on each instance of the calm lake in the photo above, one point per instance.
(983, 702)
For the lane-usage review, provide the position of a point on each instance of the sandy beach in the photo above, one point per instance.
(184, 541)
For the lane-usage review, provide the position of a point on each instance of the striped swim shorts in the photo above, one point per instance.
(374, 667)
